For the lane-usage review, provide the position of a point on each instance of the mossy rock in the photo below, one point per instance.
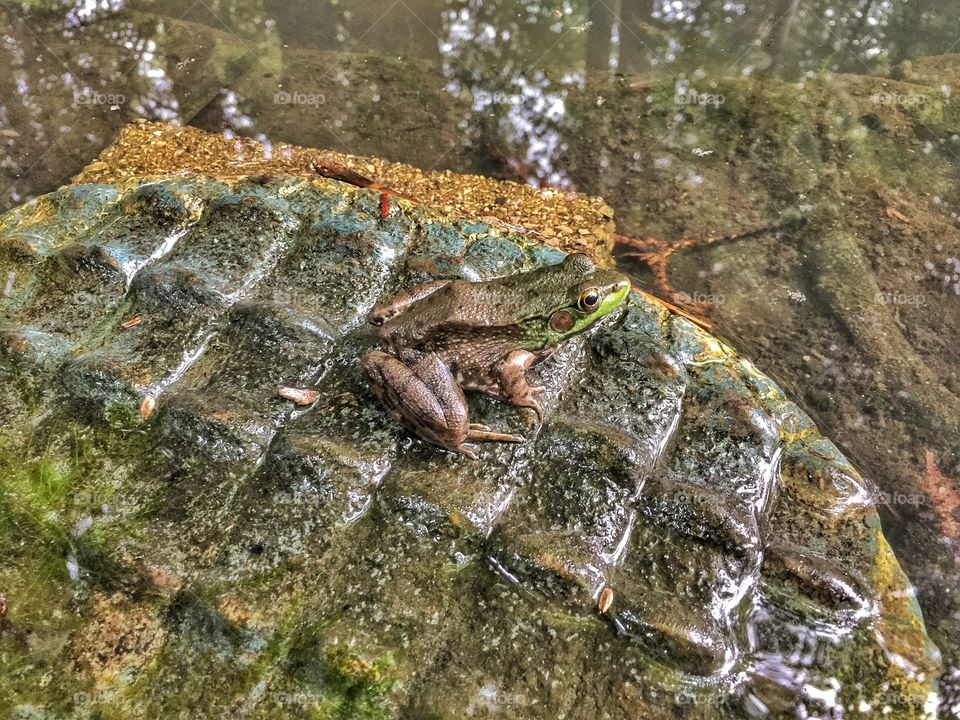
(676, 539)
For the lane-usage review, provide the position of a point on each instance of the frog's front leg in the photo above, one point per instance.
(512, 376)
(426, 398)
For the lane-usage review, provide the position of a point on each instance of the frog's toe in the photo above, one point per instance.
(479, 426)
(531, 403)
(467, 451)
(490, 436)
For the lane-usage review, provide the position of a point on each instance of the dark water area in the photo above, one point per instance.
(789, 170)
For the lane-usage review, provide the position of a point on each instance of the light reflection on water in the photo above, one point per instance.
(513, 64)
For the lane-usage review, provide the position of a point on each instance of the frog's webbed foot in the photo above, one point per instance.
(426, 398)
(512, 373)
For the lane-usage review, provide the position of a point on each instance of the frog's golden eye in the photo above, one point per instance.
(589, 300)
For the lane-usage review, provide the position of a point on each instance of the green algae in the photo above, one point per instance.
(35, 547)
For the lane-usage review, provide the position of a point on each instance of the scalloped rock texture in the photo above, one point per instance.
(235, 555)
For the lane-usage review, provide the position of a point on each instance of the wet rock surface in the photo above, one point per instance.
(677, 538)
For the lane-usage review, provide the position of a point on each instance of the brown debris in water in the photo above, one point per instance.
(655, 254)
(895, 214)
(945, 500)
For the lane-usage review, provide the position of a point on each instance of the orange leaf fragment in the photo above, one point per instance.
(944, 498)
(895, 214)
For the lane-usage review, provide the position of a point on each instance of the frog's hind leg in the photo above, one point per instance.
(426, 398)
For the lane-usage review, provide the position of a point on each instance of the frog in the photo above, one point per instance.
(447, 336)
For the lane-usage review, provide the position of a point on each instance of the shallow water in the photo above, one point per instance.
(808, 151)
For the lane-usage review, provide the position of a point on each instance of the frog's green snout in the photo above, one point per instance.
(617, 295)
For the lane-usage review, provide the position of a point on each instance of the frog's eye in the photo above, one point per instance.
(589, 300)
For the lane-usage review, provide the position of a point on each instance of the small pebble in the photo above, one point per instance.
(147, 406)
(606, 600)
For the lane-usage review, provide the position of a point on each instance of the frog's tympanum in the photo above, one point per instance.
(447, 336)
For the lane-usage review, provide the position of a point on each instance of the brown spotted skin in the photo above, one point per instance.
(446, 336)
